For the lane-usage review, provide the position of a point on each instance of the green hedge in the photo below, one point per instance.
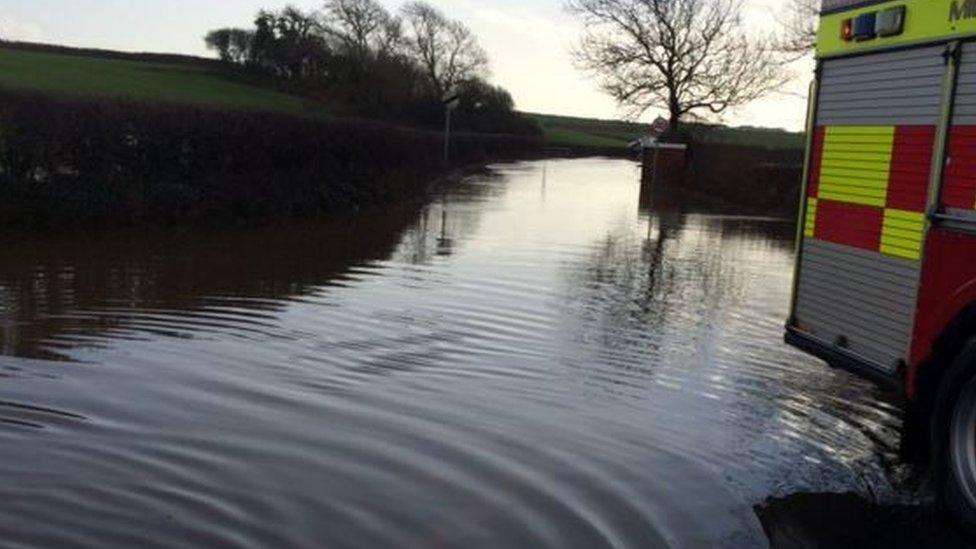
(66, 160)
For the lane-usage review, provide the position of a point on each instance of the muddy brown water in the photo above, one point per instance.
(539, 357)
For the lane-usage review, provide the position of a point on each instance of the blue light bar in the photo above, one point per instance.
(864, 26)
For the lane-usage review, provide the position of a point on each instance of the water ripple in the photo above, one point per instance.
(531, 360)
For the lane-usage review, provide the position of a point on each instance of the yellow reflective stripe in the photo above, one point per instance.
(897, 226)
(902, 233)
(871, 135)
(872, 144)
(878, 200)
(926, 20)
(811, 223)
(864, 173)
(909, 235)
(854, 130)
(856, 164)
(915, 254)
(854, 187)
(918, 218)
(842, 153)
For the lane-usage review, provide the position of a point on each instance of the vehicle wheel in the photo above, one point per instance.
(954, 441)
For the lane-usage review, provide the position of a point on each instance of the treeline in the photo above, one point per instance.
(65, 161)
(365, 61)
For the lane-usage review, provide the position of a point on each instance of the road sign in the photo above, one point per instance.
(660, 127)
(451, 101)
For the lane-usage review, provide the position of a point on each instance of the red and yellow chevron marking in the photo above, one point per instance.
(868, 187)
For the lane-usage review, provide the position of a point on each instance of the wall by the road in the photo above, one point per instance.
(745, 179)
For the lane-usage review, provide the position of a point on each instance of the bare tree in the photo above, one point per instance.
(293, 23)
(447, 50)
(694, 58)
(800, 19)
(362, 26)
(391, 40)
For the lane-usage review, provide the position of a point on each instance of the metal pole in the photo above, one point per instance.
(447, 137)
(813, 105)
(657, 155)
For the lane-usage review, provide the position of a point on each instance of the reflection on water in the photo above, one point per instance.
(537, 358)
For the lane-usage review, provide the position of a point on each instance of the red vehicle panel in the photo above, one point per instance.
(948, 286)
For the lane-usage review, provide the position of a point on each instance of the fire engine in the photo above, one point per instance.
(885, 280)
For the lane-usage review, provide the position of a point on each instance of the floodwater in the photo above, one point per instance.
(539, 357)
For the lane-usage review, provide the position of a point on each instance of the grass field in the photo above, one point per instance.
(570, 137)
(583, 132)
(139, 80)
(198, 81)
(569, 131)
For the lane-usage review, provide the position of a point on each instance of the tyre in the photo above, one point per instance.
(953, 446)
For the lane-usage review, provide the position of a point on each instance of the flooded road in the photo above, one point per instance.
(537, 358)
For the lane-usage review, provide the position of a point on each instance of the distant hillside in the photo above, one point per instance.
(587, 132)
(199, 81)
(142, 77)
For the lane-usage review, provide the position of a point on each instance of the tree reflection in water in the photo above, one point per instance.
(530, 360)
(688, 311)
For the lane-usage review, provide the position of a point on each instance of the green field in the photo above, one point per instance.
(575, 132)
(198, 81)
(575, 138)
(139, 80)
(567, 131)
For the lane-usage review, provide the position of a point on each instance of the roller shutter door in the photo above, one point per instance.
(868, 186)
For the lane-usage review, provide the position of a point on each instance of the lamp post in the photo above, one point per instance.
(451, 101)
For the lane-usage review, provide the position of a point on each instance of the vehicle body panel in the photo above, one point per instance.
(867, 192)
(887, 253)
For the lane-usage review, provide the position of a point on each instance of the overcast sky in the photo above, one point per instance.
(528, 42)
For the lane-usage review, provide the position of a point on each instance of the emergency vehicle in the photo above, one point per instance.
(886, 257)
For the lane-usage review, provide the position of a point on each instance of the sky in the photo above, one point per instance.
(528, 42)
